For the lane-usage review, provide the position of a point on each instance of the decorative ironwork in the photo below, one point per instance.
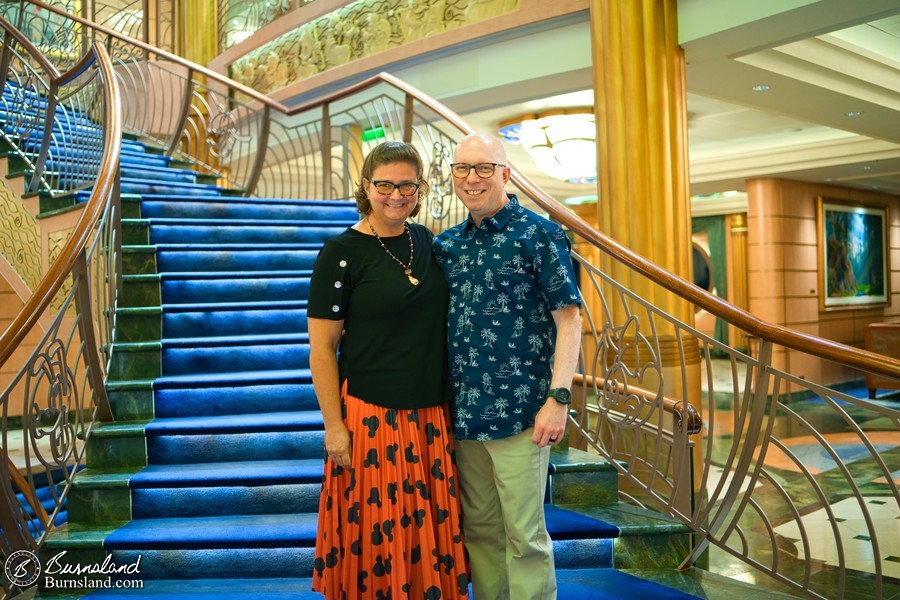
(440, 182)
(56, 392)
(53, 402)
(223, 131)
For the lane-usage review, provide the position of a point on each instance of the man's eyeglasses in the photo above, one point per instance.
(407, 188)
(483, 170)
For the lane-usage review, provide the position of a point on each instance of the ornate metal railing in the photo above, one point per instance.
(65, 328)
(52, 124)
(253, 143)
(793, 478)
(151, 21)
(740, 477)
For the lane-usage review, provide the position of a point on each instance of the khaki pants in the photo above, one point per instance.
(502, 485)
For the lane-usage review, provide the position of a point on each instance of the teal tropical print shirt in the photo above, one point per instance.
(506, 276)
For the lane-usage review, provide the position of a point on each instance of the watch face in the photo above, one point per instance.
(562, 395)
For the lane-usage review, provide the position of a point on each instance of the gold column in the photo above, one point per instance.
(641, 135)
(196, 40)
(639, 86)
(737, 270)
(196, 22)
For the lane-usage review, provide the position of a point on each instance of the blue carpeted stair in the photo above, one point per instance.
(211, 473)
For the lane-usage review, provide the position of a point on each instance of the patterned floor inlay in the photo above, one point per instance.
(855, 533)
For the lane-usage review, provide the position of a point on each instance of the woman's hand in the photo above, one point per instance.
(338, 445)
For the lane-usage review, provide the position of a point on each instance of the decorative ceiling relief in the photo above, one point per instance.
(355, 31)
(20, 241)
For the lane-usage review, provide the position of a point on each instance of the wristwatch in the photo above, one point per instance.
(561, 395)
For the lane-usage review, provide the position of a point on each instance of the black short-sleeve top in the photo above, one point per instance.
(394, 349)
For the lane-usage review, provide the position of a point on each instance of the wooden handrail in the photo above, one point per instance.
(30, 495)
(826, 349)
(56, 275)
(676, 406)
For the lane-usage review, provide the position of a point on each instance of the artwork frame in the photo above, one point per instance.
(854, 261)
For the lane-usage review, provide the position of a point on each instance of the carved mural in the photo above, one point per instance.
(357, 30)
(20, 239)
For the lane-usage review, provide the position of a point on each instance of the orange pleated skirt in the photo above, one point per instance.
(389, 527)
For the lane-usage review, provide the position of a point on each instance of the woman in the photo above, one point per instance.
(389, 517)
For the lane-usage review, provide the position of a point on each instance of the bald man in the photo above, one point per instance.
(514, 334)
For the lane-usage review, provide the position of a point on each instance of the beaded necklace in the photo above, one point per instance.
(407, 268)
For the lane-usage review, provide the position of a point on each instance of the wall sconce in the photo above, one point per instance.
(562, 142)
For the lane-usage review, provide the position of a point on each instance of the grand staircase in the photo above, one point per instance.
(208, 480)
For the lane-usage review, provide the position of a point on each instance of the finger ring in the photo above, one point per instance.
(552, 440)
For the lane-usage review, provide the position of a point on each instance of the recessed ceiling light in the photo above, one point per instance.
(852, 113)
(866, 168)
(761, 87)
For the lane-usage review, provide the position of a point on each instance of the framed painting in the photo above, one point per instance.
(853, 255)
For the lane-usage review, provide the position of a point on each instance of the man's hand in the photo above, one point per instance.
(550, 424)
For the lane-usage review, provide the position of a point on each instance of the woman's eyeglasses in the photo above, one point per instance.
(483, 170)
(407, 188)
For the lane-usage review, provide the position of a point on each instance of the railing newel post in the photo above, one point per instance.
(408, 107)
(326, 152)
(178, 130)
(262, 147)
(49, 121)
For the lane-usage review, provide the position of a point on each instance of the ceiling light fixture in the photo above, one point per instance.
(760, 87)
(852, 113)
(562, 142)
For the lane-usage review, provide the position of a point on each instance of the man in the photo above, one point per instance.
(514, 334)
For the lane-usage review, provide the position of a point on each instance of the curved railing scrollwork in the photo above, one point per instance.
(57, 391)
(646, 376)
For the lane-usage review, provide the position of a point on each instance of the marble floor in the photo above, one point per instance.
(816, 455)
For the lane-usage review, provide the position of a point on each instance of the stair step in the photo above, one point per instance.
(192, 291)
(283, 435)
(230, 341)
(246, 259)
(150, 186)
(648, 539)
(252, 423)
(247, 209)
(232, 231)
(135, 157)
(240, 353)
(227, 321)
(224, 424)
(579, 478)
(219, 380)
(246, 397)
(157, 173)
